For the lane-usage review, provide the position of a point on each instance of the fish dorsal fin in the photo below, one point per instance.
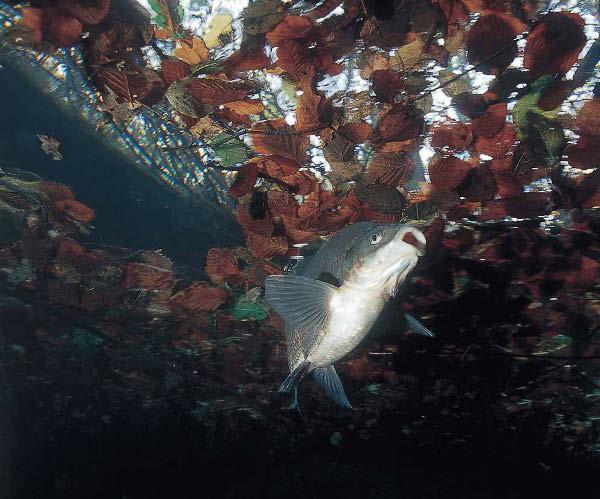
(302, 302)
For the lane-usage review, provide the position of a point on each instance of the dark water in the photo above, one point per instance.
(133, 210)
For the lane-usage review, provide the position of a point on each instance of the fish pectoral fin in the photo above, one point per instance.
(418, 328)
(303, 303)
(328, 378)
(294, 378)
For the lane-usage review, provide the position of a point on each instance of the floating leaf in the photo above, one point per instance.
(198, 298)
(244, 180)
(390, 169)
(554, 44)
(215, 91)
(74, 210)
(400, 123)
(387, 84)
(449, 172)
(229, 149)
(218, 27)
(490, 42)
(278, 138)
(456, 136)
(262, 16)
(294, 59)
(290, 28)
(222, 266)
(192, 53)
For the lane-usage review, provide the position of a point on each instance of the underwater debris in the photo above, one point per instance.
(50, 146)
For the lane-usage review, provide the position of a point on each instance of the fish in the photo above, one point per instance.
(331, 304)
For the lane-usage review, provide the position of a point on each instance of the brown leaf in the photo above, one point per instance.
(380, 197)
(508, 184)
(197, 298)
(291, 28)
(192, 51)
(492, 33)
(246, 59)
(215, 91)
(173, 70)
(390, 169)
(588, 118)
(74, 210)
(55, 191)
(471, 105)
(339, 153)
(261, 226)
(143, 276)
(274, 166)
(585, 153)
(61, 29)
(479, 184)
(87, 12)
(307, 115)
(555, 94)
(244, 180)
(554, 44)
(222, 266)
(490, 122)
(387, 84)
(69, 249)
(294, 59)
(246, 106)
(278, 138)
(400, 123)
(33, 20)
(498, 145)
(456, 136)
(447, 173)
(323, 61)
(356, 132)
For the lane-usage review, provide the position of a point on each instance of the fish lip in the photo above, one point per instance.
(421, 245)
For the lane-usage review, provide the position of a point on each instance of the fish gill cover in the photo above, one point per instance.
(476, 120)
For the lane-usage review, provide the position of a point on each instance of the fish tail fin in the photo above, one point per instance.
(295, 377)
(328, 378)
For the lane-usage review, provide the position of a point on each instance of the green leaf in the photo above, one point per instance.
(249, 311)
(229, 149)
(553, 344)
(529, 104)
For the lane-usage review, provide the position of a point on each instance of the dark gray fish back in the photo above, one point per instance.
(334, 259)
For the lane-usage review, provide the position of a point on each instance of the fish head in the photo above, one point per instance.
(385, 255)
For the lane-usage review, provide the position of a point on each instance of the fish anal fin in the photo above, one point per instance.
(328, 378)
(418, 328)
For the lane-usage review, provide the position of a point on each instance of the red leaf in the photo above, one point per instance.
(267, 247)
(492, 33)
(143, 276)
(244, 180)
(555, 94)
(276, 166)
(456, 136)
(197, 298)
(55, 191)
(498, 145)
(69, 249)
(75, 210)
(291, 28)
(387, 84)
(174, 70)
(448, 173)
(490, 122)
(554, 44)
(222, 266)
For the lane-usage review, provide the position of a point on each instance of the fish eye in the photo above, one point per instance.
(375, 238)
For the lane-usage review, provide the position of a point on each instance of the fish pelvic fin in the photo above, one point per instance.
(294, 378)
(330, 381)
